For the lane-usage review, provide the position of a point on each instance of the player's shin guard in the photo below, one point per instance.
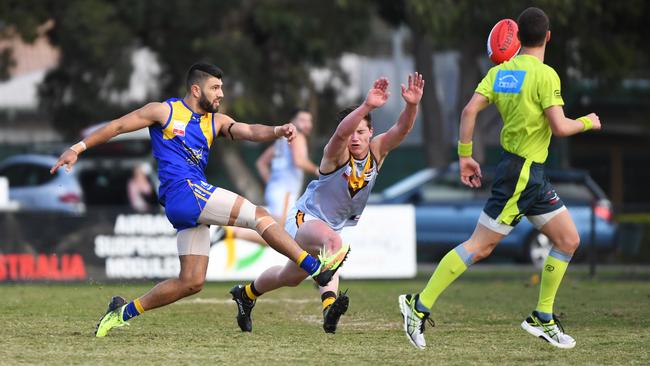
(450, 267)
(552, 274)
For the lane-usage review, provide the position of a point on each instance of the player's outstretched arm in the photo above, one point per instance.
(254, 132)
(470, 170)
(412, 94)
(377, 97)
(140, 118)
(562, 126)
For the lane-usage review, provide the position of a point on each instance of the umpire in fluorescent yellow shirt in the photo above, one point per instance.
(528, 95)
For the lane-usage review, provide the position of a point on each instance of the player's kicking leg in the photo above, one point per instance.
(542, 323)
(227, 208)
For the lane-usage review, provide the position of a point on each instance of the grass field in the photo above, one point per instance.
(477, 323)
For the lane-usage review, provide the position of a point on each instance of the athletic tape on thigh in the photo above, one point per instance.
(226, 208)
(264, 223)
(194, 241)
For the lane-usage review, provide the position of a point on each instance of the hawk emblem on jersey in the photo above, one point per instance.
(193, 155)
(179, 128)
(357, 182)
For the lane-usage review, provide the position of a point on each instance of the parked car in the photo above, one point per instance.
(446, 213)
(34, 188)
(99, 178)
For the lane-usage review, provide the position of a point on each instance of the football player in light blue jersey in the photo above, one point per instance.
(182, 131)
(283, 165)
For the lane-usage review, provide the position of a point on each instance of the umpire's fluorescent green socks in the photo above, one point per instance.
(552, 273)
(452, 265)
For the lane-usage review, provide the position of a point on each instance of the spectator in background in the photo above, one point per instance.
(140, 191)
(282, 166)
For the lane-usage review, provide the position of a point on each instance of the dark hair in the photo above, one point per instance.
(533, 25)
(345, 111)
(295, 111)
(201, 71)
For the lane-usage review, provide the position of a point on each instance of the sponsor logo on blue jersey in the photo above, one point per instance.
(509, 81)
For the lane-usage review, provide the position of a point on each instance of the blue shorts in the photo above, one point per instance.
(184, 202)
(520, 189)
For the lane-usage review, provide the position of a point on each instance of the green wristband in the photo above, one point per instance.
(464, 150)
(586, 122)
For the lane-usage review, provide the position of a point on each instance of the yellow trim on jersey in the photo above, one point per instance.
(356, 182)
(206, 127)
(300, 218)
(180, 114)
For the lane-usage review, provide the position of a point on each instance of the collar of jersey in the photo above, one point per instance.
(530, 56)
(194, 114)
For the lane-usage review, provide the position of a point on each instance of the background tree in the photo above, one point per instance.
(266, 49)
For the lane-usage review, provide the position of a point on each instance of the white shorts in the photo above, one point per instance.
(295, 219)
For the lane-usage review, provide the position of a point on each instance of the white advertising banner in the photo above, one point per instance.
(144, 246)
(382, 246)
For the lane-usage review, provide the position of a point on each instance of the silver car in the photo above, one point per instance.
(34, 188)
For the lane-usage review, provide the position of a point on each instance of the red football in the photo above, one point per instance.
(502, 43)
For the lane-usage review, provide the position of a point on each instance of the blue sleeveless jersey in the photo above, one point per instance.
(181, 147)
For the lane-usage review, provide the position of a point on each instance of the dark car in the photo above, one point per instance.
(446, 213)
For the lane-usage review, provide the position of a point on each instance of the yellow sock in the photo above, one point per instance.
(328, 301)
(327, 297)
(138, 306)
(450, 267)
(552, 274)
(249, 292)
(302, 257)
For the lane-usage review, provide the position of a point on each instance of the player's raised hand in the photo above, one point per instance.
(287, 130)
(470, 172)
(378, 95)
(595, 121)
(68, 158)
(412, 93)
